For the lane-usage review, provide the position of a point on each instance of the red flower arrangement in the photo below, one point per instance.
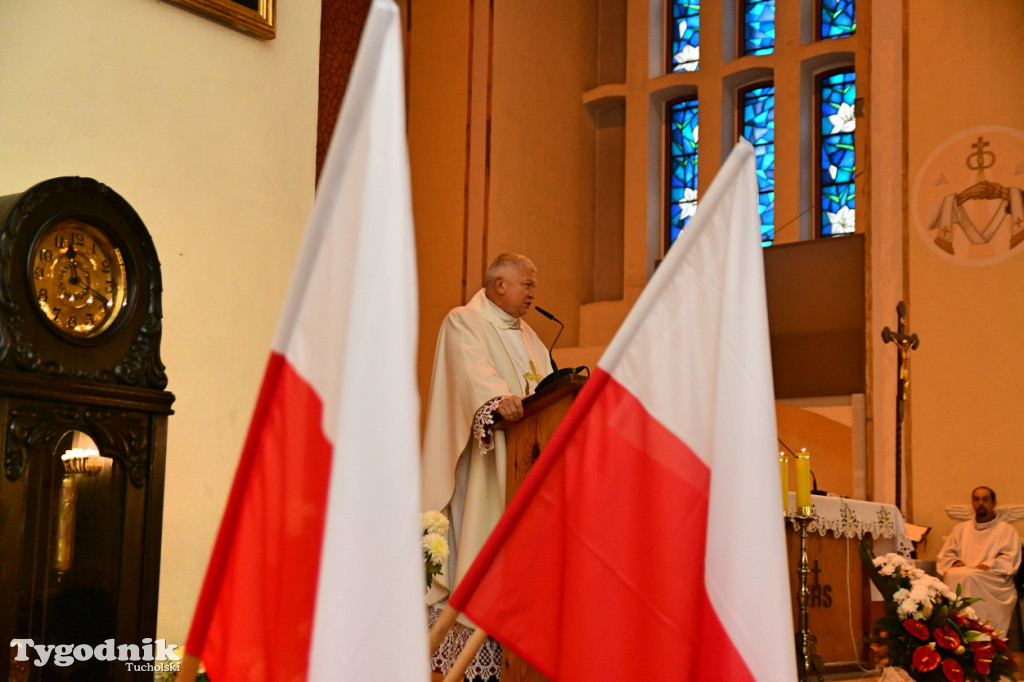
(930, 631)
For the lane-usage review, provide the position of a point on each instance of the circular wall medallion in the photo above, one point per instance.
(968, 197)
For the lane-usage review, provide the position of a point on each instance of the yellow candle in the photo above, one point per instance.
(784, 474)
(803, 482)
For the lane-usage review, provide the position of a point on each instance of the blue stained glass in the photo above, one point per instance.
(838, 18)
(683, 134)
(685, 35)
(759, 128)
(758, 26)
(837, 168)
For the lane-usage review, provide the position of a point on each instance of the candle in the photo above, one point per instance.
(784, 474)
(803, 483)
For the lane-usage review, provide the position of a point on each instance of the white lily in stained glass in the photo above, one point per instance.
(688, 58)
(688, 204)
(843, 121)
(842, 221)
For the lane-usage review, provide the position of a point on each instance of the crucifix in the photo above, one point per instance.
(904, 344)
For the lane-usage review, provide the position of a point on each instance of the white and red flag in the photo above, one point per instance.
(317, 570)
(648, 543)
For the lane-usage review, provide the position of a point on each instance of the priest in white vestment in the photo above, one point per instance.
(983, 556)
(487, 359)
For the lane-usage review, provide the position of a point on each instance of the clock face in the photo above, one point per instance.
(78, 278)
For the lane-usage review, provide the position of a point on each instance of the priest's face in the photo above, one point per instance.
(984, 505)
(514, 290)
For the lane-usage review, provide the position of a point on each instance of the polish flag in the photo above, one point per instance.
(317, 570)
(648, 543)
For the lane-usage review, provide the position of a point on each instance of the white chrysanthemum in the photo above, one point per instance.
(434, 522)
(908, 608)
(436, 548)
(886, 569)
(843, 121)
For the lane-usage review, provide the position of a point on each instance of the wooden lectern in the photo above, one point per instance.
(524, 440)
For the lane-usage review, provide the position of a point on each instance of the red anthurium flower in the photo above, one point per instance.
(983, 657)
(917, 629)
(946, 637)
(1000, 643)
(952, 670)
(926, 658)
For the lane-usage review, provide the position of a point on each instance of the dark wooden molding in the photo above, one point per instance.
(128, 353)
(35, 427)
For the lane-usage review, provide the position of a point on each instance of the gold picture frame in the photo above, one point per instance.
(238, 14)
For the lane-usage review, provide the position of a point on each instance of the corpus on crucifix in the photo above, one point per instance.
(904, 343)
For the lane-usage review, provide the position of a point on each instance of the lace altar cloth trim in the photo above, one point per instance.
(855, 518)
(482, 421)
(486, 665)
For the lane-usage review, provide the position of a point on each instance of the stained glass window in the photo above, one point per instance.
(759, 128)
(838, 18)
(837, 159)
(758, 26)
(684, 29)
(682, 153)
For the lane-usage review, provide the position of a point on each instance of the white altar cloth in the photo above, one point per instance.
(844, 517)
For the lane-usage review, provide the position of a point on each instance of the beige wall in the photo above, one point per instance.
(502, 153)
(211, 136)
(969, 371)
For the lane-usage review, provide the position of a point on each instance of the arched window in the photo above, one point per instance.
(682, 156)
(757, 125)
(684, 36)
(809, 85)
(837, 19)
(758, 33)
(836, 94)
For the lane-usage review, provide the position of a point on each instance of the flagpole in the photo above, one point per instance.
(189, 669)
(442, 626)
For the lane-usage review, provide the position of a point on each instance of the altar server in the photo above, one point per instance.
(983, 556)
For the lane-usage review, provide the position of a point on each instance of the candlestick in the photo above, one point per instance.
(784, 474)
(807, 657)
(803, 483)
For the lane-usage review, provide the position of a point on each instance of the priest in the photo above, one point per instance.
(486, 361)
(983, 556)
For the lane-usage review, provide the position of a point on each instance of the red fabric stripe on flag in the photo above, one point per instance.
(596, 571)
(255, 613)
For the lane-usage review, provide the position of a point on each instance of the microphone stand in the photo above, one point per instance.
(561, 327)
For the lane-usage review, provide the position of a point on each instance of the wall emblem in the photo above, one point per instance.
(968, 198)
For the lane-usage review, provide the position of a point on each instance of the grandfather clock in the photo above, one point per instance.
(83, 427)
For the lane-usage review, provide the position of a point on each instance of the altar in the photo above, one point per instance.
(840, 607)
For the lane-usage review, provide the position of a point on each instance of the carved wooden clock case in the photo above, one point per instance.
(80, 322)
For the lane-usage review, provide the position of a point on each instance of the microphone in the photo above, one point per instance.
(814, 485)
(560, 328)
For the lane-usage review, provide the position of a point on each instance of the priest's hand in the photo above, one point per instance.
(511, 408)
(982, 567)
(958, 564)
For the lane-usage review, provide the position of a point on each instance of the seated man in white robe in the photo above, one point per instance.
(487, 360)
(983, 556)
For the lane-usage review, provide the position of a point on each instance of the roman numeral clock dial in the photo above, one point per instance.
(78, 278)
